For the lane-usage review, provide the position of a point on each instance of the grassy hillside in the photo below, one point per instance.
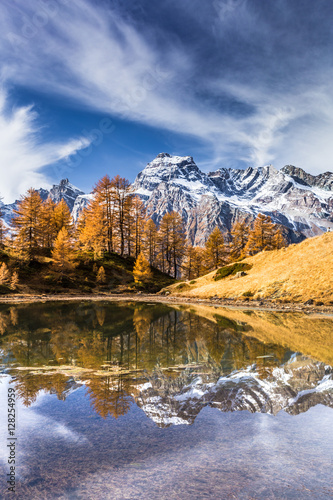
(40, 276)
(312, 336)
(296, 274)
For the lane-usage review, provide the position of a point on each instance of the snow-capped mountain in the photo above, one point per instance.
(62, 191)
(301, 202)
(293, 387)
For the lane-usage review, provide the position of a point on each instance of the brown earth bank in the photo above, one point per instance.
(242, 304)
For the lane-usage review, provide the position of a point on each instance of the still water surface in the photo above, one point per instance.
(131, 401)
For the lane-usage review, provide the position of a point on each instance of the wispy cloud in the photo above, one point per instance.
(22, 154)
(243, 58)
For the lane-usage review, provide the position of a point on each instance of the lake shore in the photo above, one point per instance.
(268, 305)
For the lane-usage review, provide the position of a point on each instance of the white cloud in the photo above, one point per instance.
(22, 155)
(105, 62)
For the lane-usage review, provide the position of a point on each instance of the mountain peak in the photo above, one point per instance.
(323, 181)
(64, 191)
(163, 155)
(63, 182)
(166, 160)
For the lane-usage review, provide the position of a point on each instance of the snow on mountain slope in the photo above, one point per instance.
(62, 191)
(65, 191)
(7, 212)
(80, 203)
(227, 195)
(303, 203)
(293, 387)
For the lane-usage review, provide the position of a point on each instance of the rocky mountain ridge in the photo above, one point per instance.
(301, 202)
(294, 388)
(62, 191)
(228, 195)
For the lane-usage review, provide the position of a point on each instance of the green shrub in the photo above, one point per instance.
(232, 269)
(248, 294)
(181, 285)
(192, 282)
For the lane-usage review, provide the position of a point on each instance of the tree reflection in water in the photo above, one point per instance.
(114, 349)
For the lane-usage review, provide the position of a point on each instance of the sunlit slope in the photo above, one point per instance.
(309, 335)
(297, 273)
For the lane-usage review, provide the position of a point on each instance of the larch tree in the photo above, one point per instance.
(92, 232)
(62, 252)
(278, 240)
(142, 272)
(121, 189)
(128, 227)
(14, 281)
(150, 241)
(47, 224)
(193, 265)
(194, 262)
(105, 195)
(177, 241)
(164, 243)
(189, 254)
(199, 262)
(239, 235)
(138, 217)
(27, 223)
(261, 235)
(101, 277)
(4, 274)
(62, 217)
(215, 248)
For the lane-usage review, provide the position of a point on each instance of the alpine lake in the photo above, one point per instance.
(129, 400)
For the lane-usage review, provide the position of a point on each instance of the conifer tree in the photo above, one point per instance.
(142, 272)
(92, 232)
(121, 189)
(62, 217)
(101, 277)
(215, 248)
(129, 240)
(164, 243)
(47, 224)
(14, 281)
(150, 241)
(194, 264)
(199, 262)
(105, 195)
(177, 241)
(27, 223)
(4, 274)
(239, 234)
(261, 236)
(171, 240)
(278, 240)
(62, 252)
(188, 263)
(138, 216)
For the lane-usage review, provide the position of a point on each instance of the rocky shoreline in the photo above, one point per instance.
(246, 303)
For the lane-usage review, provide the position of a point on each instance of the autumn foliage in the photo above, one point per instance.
(115, 221)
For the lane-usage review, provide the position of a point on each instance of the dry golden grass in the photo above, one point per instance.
(310, 335)
(297, 273)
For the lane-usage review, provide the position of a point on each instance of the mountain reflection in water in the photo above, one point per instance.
(171, 361)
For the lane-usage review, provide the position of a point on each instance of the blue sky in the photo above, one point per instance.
(89, 87)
